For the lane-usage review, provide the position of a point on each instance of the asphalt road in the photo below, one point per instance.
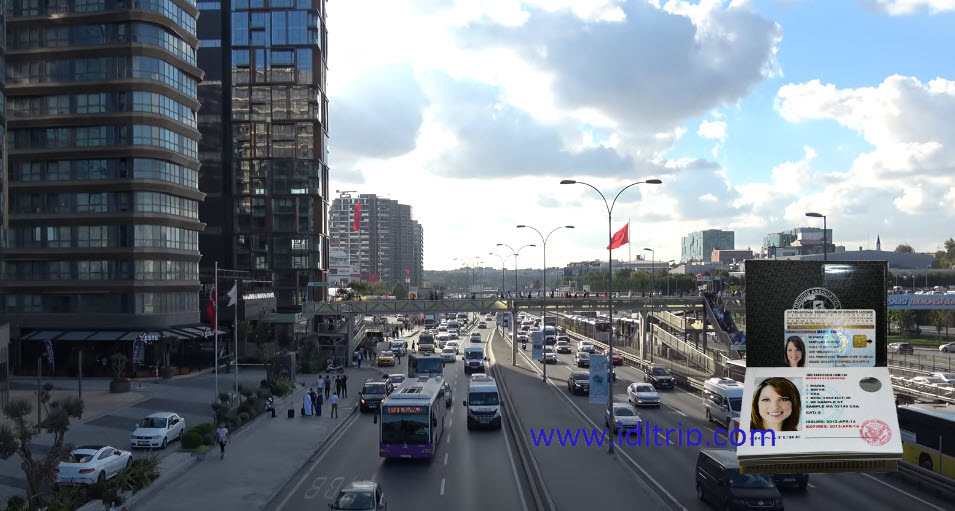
(471, 470)
(668, 471)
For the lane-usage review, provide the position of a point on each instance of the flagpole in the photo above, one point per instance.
(629, 254)
(235, 333)
(215, 329)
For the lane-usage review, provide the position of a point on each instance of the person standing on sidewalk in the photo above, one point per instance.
(334, 413)
(328, 386)
(344, 391)
(222, 436)
(359, 359)
(338, 384)
(319, 400)
(319, 385)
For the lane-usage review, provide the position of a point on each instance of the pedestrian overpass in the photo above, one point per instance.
(377, 307)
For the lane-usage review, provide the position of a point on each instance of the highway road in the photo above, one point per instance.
(668, 471)
(472, 469)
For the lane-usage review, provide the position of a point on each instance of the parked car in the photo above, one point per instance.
(157, 430)
(947, 348)
(902, 348)
(92, 463)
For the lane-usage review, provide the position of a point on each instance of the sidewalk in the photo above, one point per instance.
(260, 458)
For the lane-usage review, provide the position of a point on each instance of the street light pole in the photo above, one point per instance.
(653, 257)
(514, 253)
(825, 235)
(544, 286)
(610, 267)
(502, 269)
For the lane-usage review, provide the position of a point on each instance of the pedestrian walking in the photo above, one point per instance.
(344, 385)
(314, 397)
(338, 384)
(222, 436)
(320, 384)
(359, 359)
(334, 413)
(319, 400)
(328, 386)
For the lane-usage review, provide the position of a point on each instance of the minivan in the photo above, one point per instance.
(484, 403)
(719, 481)
(722, 400)
(474, 359)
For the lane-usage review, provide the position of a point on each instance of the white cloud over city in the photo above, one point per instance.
(472, 112)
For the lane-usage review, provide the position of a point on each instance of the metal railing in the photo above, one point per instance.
(930, 363)
(690, 353)
(925, 478)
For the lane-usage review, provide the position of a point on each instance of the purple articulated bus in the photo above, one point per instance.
(412, 419)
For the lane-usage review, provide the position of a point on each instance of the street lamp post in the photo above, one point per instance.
(610, 267)
(503, 259)
(514, 253)
(544, 284)
(653, 257)
(825, 235)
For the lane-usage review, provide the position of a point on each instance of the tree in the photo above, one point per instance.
(40, 472)
(904, 320)
(118, 363)
(940, 320)
(168, 345)
(905, 248)
(377, 288)
(399, 291)
(361, 288)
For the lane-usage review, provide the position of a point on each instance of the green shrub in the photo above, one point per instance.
(17, 503)
(244, 417)
(204, 428)
(282, 387)
(209, 438)
(263, 393)
(67, 498)
(191, 440)
(145, 470)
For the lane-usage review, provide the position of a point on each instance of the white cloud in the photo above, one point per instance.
(904, 7)
(712, 129)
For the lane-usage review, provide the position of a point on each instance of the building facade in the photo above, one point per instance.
(699, 245)
(803, 241)
(264, 151)
(101, 190)
(730, 256)
(389, 244)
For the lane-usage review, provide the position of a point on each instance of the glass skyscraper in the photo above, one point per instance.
(264, 148)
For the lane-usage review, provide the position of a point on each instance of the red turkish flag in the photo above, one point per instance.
(356, 225)
(620, 238)
(211, 308)
(407, 272)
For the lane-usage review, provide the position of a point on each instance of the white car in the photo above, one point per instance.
(92, 463)
(947, 348)
(475, 336)
(643, 394)
(447, 355)
(454, 345)
(442, 339)
(453, 334)
(586, 347)
(157, 430)
(624, 416)
(948, 377)
(550, 357)
(931, 380)
(563, 347)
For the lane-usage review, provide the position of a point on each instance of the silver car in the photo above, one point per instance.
(624, 416)
(643, 394)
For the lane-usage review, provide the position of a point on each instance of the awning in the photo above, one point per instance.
(107, 335)
(75, 335)
(28, 336)
(46, 335)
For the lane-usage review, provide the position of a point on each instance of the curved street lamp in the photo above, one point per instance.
(514, 253)
(503, 259)
(544, 284)
(610, 207)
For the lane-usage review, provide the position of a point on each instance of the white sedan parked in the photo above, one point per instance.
(157, 430)
(92, 463)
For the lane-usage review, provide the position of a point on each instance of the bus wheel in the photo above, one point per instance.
(925, 461)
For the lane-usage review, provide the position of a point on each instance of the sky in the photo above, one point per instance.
(750, 112)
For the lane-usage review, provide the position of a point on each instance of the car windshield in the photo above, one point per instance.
(398, 378)
(153, 422)
(474, 355)
(448, 351)
(482, 399)
(562, 343)
(645, 388)
(948, 376)
(738, 480)
(386, 354)
(736, 403)
(659, 371)
(583, 355)
(582, 376)
(623, 412)
(364, 500)
(374, 388)
(80, 456)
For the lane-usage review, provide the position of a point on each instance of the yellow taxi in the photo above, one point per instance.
(386, 358)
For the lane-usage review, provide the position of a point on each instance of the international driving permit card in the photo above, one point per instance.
(829, 338)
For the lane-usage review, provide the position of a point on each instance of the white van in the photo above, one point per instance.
(722, 399)
(483, 403)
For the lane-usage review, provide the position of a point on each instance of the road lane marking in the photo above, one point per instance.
(810, 485)
(328, 448)
(442, 486)
(517, 479)
(445, 458)
(672, 408)
(449, 438)
(903, 492)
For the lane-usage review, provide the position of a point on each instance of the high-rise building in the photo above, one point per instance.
(699, 245)
(102, 197)
(389, 243)
(801, 241)
(265, 125)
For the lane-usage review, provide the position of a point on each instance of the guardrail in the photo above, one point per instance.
(930, 363)
(689, 352)
(924, 478)
(923, 390)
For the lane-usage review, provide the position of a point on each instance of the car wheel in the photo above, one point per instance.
(101, 477)
(699, 491)
(164, 442)
(709, 418)
(129, 462)
(179, 437)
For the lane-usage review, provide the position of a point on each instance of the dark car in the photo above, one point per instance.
(659, 377)
(902, 348)
(579, 382)
(795, 480)
(617, 360)
(719, 481)
(373, 393)
(360, 496)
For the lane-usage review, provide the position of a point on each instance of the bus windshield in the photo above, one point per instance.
(425, 339)
(425, 366)
(405, 428)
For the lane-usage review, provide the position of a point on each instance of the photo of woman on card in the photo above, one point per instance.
(776, 406)
(795, 352)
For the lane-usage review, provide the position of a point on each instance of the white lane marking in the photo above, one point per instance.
(674, 409)
(451, 420)
(442, 486)
(311, 469)
(517, 479)
(445, 458)
(449, 438)
(811, 485)
(903, 492)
